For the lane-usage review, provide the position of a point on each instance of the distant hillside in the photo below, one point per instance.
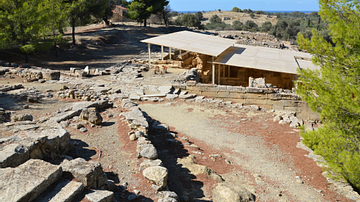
(228, 17)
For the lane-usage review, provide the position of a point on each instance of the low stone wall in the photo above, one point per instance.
(270, 98)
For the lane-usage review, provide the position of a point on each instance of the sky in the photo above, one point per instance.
(264, 5)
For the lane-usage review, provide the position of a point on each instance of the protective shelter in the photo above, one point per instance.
(235, 63)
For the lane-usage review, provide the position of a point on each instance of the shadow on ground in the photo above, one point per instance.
(180, 180)
(98, 48)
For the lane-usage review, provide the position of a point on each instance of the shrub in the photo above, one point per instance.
(199, 15)
(237, 25)
(188, 20)
(250, 26)
(236, 9)
(215, 19)
(265, 27)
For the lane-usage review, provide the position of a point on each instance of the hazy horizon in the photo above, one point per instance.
(227, 5)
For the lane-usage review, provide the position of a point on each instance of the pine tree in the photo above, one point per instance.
(140, 10)
(334, 90)
(25, 22)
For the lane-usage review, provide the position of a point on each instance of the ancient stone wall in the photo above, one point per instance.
(269, 98)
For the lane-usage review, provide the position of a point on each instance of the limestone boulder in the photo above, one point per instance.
(160, 127)
(190, 75)
(90, 173)
(167, 200)
(51, 75)
(167, 195)
(13, 155)
(197, 169)
(27, 181)
(223, 193)
(100, 196)
(158, 175)
(149, 152)
(150, 163)
(91, 115)
(22, 117)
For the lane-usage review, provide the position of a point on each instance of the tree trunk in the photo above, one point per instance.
(164, 18)
(26, 58)
(144, 22)
(73, 30)
(56, 53)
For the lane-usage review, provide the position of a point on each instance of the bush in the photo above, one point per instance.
(236, 9)
(215, 19)
(188, 20)
(252, 15)
(199, 15)
(215, 26)
(285, 30)
(266, 26)
(250, 26)
(237, 25)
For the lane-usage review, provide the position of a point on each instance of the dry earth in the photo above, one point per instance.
(229, 17)
(253, 151)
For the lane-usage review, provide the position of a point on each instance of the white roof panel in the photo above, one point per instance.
(194, 42)
(263, 58)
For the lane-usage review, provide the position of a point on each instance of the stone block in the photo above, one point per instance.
(51, 75)
(254, 90)
(13, 155)
(62, 191)
(171, 97)
(100, 196)
(90, 173)
(27, 181)
(157, 174)
(57, 142)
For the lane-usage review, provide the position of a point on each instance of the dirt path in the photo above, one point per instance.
(259, 164)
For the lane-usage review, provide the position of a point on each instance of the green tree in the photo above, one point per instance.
(250, 26)
(285, 29)
(236, 9)
(81, 12)
(237, 25)
(215, 19)
(28, 22)
(140, 10)
(334, 90)
(199, 15)
(122, 3)
(188, 20)
(266, 26)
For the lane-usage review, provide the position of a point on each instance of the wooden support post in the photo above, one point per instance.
(213, 71)
(170, 53)
(162, 53)
(228, 70)
(219, 74)
(149, 50)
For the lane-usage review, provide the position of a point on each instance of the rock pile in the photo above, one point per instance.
(48, 140)
(289, 118)
(153, 169)
(127, 71)
(34, 74)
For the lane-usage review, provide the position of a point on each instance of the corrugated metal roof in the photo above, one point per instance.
(263, 58)
(194, 42)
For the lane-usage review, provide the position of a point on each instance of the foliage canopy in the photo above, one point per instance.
(334, 90)
(140, 10)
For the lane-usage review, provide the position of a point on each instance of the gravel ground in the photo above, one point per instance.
(267, 171)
